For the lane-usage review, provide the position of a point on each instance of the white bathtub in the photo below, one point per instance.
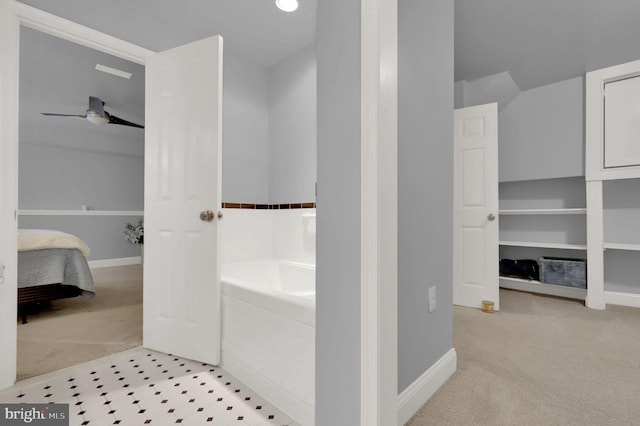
(268, 331)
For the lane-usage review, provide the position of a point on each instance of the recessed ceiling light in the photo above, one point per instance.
(113, 71)
(287, 5)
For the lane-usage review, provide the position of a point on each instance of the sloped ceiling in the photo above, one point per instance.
(543, 41)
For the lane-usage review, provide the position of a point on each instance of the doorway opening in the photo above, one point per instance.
(86, 180)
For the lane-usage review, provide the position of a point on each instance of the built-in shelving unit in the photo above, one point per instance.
(559, 246)
(617, 246)
(544, 217)
(542, 288)
(612, 167)
(531, 212)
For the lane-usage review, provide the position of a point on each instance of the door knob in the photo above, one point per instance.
(491, 217)
(206, 216)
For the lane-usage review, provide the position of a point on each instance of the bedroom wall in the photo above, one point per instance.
(425, 185)
(541, 130)
(541, 133)
(61, 178)
(65, 163)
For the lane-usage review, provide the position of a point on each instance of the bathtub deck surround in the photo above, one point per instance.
(268, 331)
(268, 303)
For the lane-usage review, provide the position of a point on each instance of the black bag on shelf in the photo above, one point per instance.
(522, 268)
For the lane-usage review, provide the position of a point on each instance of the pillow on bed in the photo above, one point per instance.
(38, 239)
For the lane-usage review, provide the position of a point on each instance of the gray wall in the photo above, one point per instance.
(292, 128)
(65, 163)
(425, 192)
(425, 199)
(59, 178)
(245, 127)
(541, 133)
(338, 222)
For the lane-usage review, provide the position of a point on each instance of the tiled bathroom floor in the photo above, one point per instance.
(139, 387)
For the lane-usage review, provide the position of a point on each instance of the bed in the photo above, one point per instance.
(51, 265)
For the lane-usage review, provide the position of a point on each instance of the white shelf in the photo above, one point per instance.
(538, 287)
(544, 245)
(515, 212)
(617, 246)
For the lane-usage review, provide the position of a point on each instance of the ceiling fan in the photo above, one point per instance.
(97, 115)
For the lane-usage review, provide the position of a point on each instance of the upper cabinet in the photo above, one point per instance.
(613, 122)
(622, 123)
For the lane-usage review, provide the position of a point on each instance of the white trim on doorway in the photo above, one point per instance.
(68, 30)
(379, 218)
(13, 15)
(9, 57)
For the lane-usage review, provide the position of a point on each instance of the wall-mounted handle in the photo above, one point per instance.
(491, 217)
(1, 274)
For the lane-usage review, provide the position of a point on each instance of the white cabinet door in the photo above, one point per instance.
(182, 179)
(475, 194)
(622, 123)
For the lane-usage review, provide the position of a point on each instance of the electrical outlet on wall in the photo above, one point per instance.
(432, 298)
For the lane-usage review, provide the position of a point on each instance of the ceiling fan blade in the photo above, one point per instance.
(96, 105)
(55, 114)
(117, 120)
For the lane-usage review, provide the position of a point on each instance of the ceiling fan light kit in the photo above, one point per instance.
(97, 115)
(95, 118)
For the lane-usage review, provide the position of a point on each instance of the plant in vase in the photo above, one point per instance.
(135, 235)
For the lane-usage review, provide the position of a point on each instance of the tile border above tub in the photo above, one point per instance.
(252, 206)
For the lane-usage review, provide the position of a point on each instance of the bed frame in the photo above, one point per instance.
(43, 293)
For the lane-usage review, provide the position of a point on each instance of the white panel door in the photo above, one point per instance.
(475, 194)
(183, 137)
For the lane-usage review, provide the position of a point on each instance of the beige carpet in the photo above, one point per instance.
(541, 361)
(75, 330)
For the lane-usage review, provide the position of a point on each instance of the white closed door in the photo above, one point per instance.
(183, 134)
(475, 194)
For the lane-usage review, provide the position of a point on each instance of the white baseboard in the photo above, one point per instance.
(623, 299)
(419, 392)
(106, 263)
